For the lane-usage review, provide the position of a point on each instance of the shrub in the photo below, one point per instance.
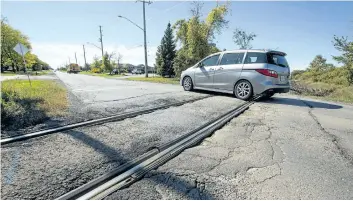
(96, 70)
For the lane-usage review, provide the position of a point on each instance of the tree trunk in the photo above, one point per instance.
(13, 68)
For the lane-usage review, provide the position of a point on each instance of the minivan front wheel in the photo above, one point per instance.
(187, 83)
(243, 90)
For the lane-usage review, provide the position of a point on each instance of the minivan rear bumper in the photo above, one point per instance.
(276, 88)
(267, 85)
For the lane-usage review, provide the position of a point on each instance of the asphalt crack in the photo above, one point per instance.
(333, 137)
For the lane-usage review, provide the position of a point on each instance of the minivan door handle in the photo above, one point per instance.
(220, 68)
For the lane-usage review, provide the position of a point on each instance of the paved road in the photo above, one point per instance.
(47, 167)
(285, 148)
(278, 149)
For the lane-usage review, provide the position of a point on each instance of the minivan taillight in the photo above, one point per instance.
(267, 72)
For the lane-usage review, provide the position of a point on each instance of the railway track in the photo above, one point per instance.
(135, 169)
(117, 117)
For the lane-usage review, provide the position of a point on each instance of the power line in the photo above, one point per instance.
(169, 8)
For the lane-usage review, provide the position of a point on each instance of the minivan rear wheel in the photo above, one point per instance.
(243, 90)
(187, 83)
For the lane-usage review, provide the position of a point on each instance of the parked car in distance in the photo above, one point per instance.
(115, 71)
(136, 71)
(243, 73)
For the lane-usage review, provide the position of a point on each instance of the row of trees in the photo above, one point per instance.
(10, 37)
(321, 71)
(196, 38)
(108, 63)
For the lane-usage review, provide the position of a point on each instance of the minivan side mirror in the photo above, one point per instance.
(200, 65)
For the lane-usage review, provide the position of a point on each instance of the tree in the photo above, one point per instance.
(346, 47)
(318, 64)
(31, 59)
(166, 53)
(10, 37)
(96, 65)
(243, 39)
(108, 62)
(196, 35)
(119, 57)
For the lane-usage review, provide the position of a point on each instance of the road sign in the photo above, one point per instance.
(21, 49)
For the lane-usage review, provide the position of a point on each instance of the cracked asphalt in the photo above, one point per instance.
(284, 148)
(49, 166)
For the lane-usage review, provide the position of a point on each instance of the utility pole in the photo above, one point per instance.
(76, 58)
(69, 61)
(144, 35)
(84, 56)
(101, 39)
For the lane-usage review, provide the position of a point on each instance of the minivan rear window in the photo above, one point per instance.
(276, 59)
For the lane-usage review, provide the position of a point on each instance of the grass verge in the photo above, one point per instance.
(101, 74)
(155, 79)
(8, 73)
(24, 105)
(33, 73)
(324, 91)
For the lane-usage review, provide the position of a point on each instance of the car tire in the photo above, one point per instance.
(187, 83)
(243, 90)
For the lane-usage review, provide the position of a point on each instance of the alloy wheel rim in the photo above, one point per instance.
(243, 89)
(187, 83)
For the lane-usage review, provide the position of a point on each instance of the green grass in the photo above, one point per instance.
(33, 73)
(8, 73)
(326, 91)
(43, 72)
(101, 74)
(24, 105)
(155, 79)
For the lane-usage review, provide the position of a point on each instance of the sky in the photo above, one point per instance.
(58, 29)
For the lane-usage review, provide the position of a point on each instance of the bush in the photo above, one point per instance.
(96, 70)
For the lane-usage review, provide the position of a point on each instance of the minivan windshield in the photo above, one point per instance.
(277, 59)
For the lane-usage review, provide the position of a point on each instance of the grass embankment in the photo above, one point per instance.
(24, 105)
(33, 73)
(101, 74)
(324, 91)
(155, 79)
(8, 73)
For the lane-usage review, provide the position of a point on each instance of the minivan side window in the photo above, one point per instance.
(255, 57)
(232, 58)
(211, 61)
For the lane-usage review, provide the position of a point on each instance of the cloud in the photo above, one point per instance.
(57, 54)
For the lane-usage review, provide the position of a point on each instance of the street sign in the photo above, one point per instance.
(21, 49)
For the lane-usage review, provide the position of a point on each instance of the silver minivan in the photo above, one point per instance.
(243, 73)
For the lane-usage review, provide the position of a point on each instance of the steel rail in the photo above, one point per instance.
(132, 171)
(118, 117)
